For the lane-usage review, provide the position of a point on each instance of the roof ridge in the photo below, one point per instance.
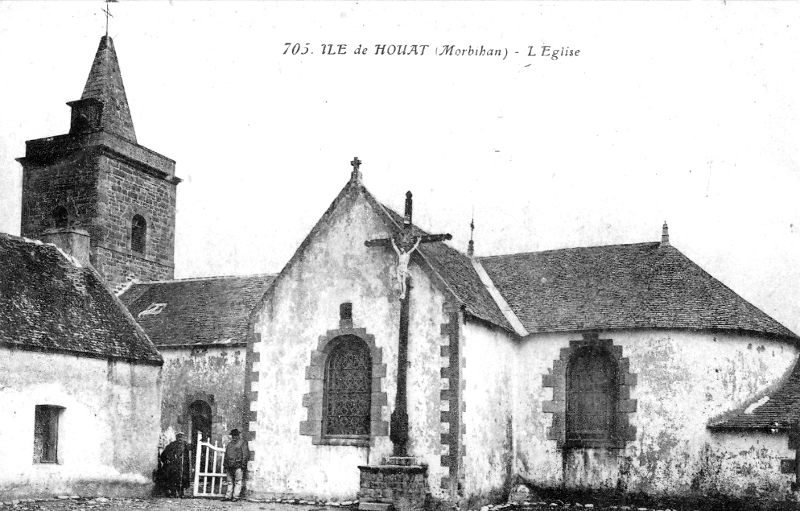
(532, 252)
(213, 277)
(70, 259)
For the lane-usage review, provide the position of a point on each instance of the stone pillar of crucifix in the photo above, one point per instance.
(404, 244)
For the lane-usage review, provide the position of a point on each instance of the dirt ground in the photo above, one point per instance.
(172, 504)
(154, 504)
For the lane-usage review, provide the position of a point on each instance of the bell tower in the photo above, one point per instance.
(96, 187)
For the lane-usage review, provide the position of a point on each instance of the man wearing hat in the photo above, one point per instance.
(236, 457)
(176, 466)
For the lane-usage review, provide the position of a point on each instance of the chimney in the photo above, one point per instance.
(73, 241)
(665, 235)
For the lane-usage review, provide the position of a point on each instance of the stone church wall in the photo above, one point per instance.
(334, 267)
(107, 428)
(682, 380)
(488, 375)
(214, 375)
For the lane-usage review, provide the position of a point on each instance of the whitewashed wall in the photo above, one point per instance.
(490, 357)
(684, 379)
(108, 431)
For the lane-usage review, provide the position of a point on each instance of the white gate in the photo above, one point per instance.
(209, 476)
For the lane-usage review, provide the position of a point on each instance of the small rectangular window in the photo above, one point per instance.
(45, 434)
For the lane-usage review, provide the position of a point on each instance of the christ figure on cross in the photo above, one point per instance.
(405, 243)
(403, 258)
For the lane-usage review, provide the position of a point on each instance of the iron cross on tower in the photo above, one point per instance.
(107, 10)
(404, 244)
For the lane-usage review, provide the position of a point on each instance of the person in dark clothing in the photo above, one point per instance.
(175, 466)
(236, 457)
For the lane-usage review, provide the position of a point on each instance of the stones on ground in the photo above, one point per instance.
(485, 508)
(519, 494)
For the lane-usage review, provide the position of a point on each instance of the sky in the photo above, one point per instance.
(685, 112)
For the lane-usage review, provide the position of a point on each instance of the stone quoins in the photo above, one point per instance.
(313, 400)
(557, 380)
(251, 376)
(451, 415)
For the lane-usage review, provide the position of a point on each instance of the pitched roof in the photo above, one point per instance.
(459, 275)
(451, 267)
(105, 84)
(780, 410)
(205, 311)
(48, 302)
(644, 285)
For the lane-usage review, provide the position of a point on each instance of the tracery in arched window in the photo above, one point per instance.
(348, 389)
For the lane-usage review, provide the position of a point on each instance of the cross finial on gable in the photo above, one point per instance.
(664, 234)
(356, 174)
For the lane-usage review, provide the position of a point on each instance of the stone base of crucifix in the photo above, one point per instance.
(399, 483)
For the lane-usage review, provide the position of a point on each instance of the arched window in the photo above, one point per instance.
(200, 415)
(348, 389)
(591, 398)
(138, 234)
(60, 217)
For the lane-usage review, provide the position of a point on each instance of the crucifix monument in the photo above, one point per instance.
(404, 243)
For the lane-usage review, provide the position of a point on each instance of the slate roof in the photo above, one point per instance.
(460, 276)
(781, 411)
(642, 285)
(49, 303)
(205, 311)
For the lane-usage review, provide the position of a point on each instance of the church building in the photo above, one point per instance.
(392, 367)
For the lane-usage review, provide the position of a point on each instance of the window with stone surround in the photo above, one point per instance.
(60, 217)
(345, 403)
(138, 234)
(591, 403)
(45, 433)
(348, 389)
